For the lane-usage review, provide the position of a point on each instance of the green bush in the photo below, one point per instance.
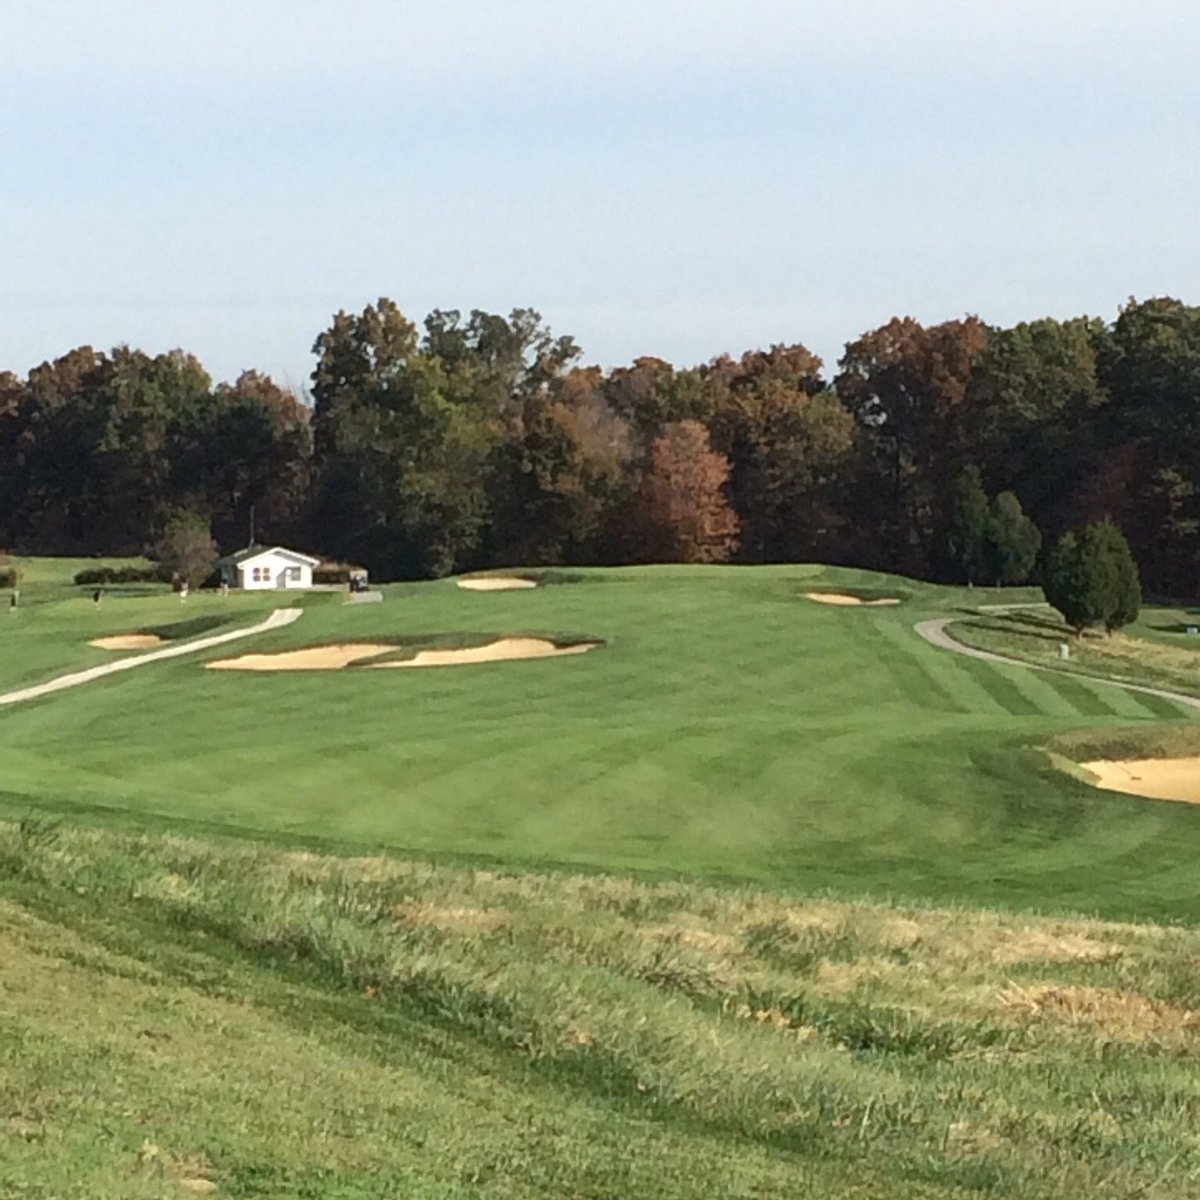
(9, 576)
(110, 575)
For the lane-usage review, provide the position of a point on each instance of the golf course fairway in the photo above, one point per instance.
(729, 728)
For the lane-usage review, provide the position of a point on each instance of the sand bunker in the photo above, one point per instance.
(504, 650)
(128, 641)
(334, 658)
(1154, 778)
(315, 658)
(841, 598)
(496, 583)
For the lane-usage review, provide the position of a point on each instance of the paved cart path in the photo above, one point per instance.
(936, 634)
(277, 619)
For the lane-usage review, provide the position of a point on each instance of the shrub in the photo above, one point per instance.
(110, 575)
(332, 572)
(9, 576)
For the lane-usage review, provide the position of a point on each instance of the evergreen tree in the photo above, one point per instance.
(967, 530)
(1092, 579)
(1121, 586)
(1064, 585)
(1012, 542)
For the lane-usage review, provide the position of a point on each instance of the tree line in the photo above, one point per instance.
(958, 451)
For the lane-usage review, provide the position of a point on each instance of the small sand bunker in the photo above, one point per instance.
(496, 583)
(128, 641)
(842, 599)
(504, 650)
(315, 658)
(1154, 778)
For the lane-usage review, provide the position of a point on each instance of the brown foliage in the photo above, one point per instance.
(795, 366)
(681, 509)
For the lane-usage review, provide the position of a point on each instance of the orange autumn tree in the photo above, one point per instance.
(682, 512)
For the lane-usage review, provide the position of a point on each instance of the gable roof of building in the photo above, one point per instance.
(253, 552)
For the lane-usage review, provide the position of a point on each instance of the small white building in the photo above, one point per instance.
(262, 567)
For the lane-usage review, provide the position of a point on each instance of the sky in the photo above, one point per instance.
(681, 179)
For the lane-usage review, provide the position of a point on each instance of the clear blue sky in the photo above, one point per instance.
(671, 178)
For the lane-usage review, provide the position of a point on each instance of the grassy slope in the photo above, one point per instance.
(1157, 650)
(731, 728)
(178, 1014)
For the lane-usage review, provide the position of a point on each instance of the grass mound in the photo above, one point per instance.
(276, 1023)
(150, 638)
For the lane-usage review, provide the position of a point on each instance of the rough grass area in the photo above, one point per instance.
(1086, 745)
(183, 1016)
(1157, 651)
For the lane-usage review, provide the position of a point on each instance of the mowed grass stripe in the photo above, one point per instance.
(1041, 687)
(1159, 706)
(1005, 691)
(1084, 698)
(1129, 705)
(899, 659)
(974, 686)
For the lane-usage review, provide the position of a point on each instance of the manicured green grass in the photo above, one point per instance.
(179, 1015)
(729, 729)
(43, 639)
(45, 578)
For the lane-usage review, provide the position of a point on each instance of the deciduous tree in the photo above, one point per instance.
(905, 384)
(681, 509)
(186, 550)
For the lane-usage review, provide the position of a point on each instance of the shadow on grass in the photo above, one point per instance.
(1038, 633)
(1177, 627)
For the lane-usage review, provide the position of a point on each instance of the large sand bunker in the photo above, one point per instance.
(844, 599)
(504, 650)
(335, 658)
(496, 583)
(1154, 778)
(315, 658)
(128, 641)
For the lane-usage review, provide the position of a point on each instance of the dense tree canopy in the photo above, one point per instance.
(474, 440)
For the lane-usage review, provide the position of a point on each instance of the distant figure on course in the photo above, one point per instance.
(224, 588)
(12, 600)
(96, 597)
(183, 590)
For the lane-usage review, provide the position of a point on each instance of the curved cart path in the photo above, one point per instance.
(277, 619)
(935, 633)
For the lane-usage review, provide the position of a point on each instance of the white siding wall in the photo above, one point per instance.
(269, 571)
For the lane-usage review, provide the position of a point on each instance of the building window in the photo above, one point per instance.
(259, 575)
(293, 573)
